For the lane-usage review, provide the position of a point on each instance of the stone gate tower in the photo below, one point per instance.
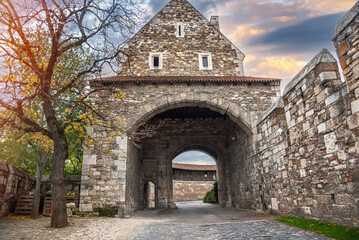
(294, 154)
(181, 68)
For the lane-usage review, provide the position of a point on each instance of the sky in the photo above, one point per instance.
(194, 157)
(278, 37)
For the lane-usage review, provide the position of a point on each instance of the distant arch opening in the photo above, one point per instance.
(193, 175)
(150, 195)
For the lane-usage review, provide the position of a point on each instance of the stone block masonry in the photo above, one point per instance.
(181, 54)
(297, 154)
(308, 142)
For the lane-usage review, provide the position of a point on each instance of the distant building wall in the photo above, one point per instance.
(12, 181)
(190, 190)
(191, 175)
(192, 182)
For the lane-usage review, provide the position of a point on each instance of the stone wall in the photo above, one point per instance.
(12, 182)
(308, 142)
(72, 184)
(180, 54)
(104, 175)
(190, 190)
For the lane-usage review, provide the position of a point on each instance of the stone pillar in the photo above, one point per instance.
(103, 175)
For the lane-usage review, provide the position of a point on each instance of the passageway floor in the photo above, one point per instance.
(192, 220)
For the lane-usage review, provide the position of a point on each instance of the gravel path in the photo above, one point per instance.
(192, 220)
(82, 228)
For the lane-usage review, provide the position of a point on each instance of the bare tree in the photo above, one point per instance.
(35, 72)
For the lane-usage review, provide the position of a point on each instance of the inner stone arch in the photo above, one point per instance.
(190, 127)
(217, 104)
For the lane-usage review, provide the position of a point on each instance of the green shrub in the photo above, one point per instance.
(107, 211)
(212, 196)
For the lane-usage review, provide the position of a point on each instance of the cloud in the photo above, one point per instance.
(284, 68)
(328, 6)
(195, 157)
(156, 5)
(245, 31)
(309, 35)
(284, 18)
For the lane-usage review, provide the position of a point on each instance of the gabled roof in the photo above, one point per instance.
(194, 167)
(218, 79)
(194, 9)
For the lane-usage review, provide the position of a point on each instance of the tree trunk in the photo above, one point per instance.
(37, 192)
(59, 214)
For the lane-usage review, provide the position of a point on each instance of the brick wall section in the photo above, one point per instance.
(190, 190)
(180, 54)
(12, 181)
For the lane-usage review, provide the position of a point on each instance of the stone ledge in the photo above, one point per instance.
(323, 56)
(346, 20)
(278, 104)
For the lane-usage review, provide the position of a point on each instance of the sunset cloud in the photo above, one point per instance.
(284, 67)
(284, 19)
(244, 32)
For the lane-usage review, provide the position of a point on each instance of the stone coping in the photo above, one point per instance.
(346, 20)
(322, 56)
(278, 104)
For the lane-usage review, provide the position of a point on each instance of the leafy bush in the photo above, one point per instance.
(107, 211)
(212, 196)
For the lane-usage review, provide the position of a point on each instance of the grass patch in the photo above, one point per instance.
(328, 229)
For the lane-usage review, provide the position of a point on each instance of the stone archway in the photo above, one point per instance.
(189, 126)
(234, 111)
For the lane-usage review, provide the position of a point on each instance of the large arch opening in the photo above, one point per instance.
(188, 128)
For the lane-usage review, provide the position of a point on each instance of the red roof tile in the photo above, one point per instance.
(194, 167)
(184, 79)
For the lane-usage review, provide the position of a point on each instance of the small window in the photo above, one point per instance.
(155, 60)
(205, 61)
(179, 29)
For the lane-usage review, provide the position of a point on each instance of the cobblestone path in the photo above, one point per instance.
(195, 220)
(256, 229)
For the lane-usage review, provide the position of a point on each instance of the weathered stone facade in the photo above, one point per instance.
(308, 147)
(12, 182)
(297, 154)
(180, 54)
